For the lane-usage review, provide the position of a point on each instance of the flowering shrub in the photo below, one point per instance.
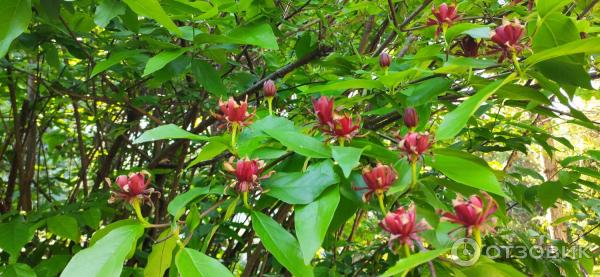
(298, 138)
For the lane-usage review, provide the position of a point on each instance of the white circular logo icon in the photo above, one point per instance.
(465, 252)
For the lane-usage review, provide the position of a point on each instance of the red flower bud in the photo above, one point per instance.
(269, 88)
(234, 113)
(444, 17)
(473, 213)
(385, 60)
(131, 187)
(414, 145)
(403, 227)
(344, 127)
(410, 117)
(323, 108)
(508, 37)
(247, 172)
(378, 180)
(470, 47)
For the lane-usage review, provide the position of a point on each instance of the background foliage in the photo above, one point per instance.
(95, 89)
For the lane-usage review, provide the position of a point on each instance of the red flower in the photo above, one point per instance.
(234, 113)
(269, 88)
(378, 180)
(444, 17)
(470, 47)
(247, 172)
(131, 187)
(410, 117)
(472, 213)
(385, 60)
(323, 108)
(414, 145)
(508, 37)
(403, 227)
(344, 127)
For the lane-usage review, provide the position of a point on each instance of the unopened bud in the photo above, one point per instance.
(385, 60)
(410, 117)
(269, 88)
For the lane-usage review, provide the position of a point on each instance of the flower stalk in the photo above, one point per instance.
(138, 212)
(381, 203)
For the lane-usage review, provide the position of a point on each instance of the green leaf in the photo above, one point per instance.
(413, 261)
(341, 86)
(152, 9)
(18, 270)
(455, 120)
(281, 244)
(13, 236)
(162, 59)
(113, 59)
(208, 77)
(302, 187)
(105, 257)
(52, 266)
(177, 206)
(300, 143)
(98, 235)
(169, 131)
(471, 29)
(107, 10)
(548, 193)
(467, 169)
(346, 157)
(16, 15)
(64, 226)
(426, 90)
(192, 263)
(255, 34)
(208, 151)
(160, 258)
(312, 221)
(590, 45)
(489, 268)
(545, 7)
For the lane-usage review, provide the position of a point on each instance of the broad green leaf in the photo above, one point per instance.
(160, 258)
(489, 268)
(152, 9)
(105, 258)
(208, 77)
(312, 222)
(343, 85)
(13, 236)
(545, 7)
(255, 34)
(113, 59)
(177, 206)
(18, 270)
(346, 157)
(64, 226)
(162, 59)
(16, 15)
(589, 45)
(281, 244)
(413, 261)
(98, 235)
(208, 151)
(302, 187)
(423, 92)
(300, 143)
(92, 217)
(471, 29)
(52, 266)
(455, 120)
(466, 169)
(168, 131)
(513, 91)
(107, 10)
(548, 193)
(376, 151)
(192, 263)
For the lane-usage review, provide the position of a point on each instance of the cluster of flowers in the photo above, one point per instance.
(507, 36)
